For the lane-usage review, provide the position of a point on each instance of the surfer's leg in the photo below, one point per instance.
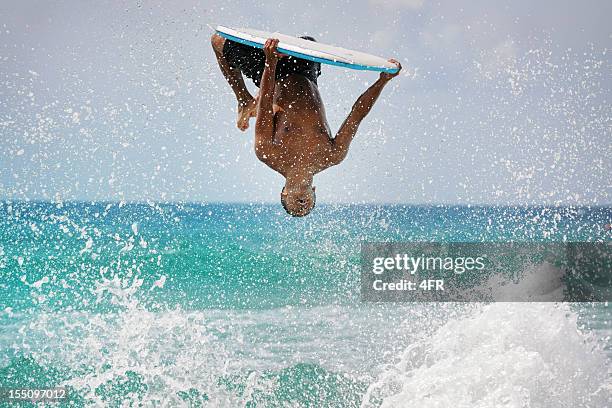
(246, 103)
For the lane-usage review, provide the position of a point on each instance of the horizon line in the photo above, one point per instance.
(263, 203)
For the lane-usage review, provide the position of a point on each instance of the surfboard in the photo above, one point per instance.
(310, 50)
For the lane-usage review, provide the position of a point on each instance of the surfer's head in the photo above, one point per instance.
(298, 201)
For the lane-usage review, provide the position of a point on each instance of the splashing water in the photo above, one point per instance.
(227, 318)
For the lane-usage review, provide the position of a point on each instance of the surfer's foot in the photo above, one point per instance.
(246, 111)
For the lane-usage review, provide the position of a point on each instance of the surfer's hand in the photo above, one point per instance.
(270, 50)
(386, 76)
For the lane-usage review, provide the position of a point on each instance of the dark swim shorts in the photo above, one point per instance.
(251, 61)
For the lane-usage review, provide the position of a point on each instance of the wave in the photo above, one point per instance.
(502, 355)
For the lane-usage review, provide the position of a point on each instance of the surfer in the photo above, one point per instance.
(291, 132)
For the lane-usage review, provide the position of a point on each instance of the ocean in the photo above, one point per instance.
(239, 305)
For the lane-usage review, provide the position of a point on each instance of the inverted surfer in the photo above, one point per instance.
(292, 136)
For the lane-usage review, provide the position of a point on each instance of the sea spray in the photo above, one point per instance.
(509, 354)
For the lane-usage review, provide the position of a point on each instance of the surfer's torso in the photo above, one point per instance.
(300, 125)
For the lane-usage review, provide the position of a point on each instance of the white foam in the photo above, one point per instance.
(503, 355)
(511, 355)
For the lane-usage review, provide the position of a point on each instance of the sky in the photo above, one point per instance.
(504, 102)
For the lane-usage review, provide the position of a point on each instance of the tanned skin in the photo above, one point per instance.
(292, 136)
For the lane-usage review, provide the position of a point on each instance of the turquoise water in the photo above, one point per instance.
(238, 305)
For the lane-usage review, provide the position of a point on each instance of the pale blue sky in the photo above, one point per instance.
(501, 102)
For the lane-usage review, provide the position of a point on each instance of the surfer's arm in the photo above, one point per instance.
(264, 125)
(360, 109)
(349, 127)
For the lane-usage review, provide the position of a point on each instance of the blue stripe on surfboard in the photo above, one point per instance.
(310, 57)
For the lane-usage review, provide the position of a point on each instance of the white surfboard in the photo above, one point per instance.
(310, 50)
